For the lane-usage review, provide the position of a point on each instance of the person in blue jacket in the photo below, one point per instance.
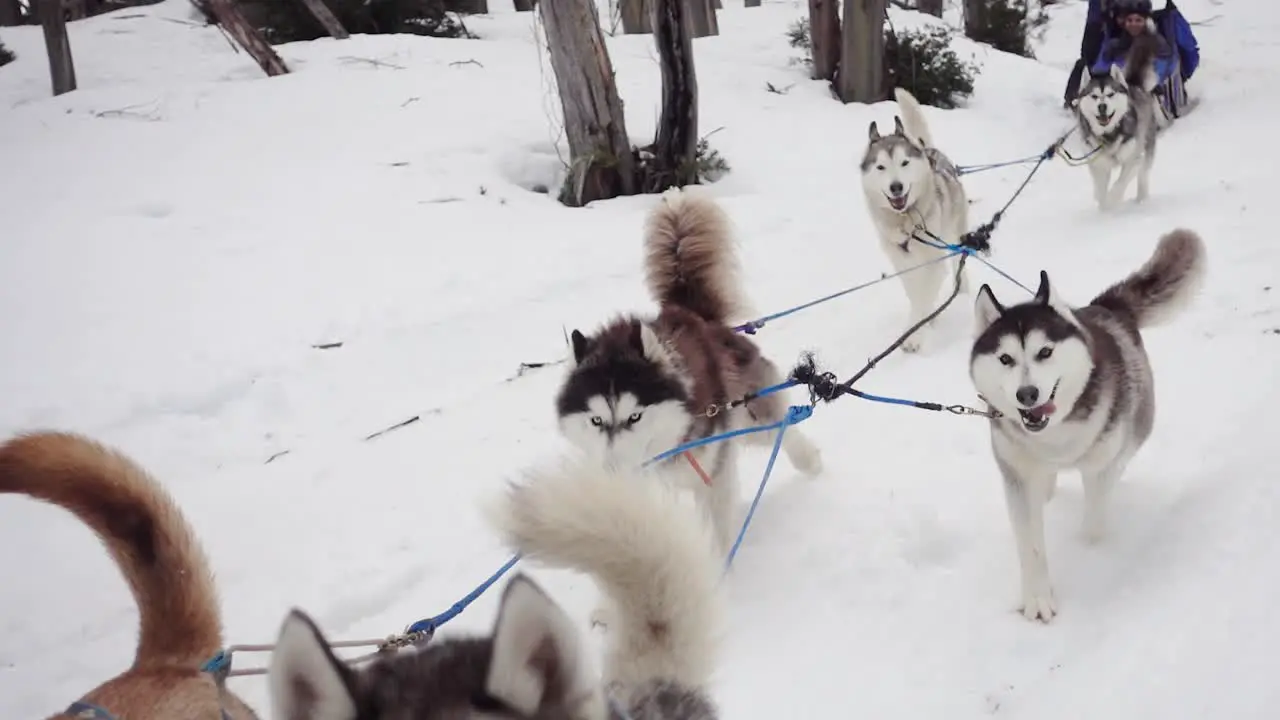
(1134, 20)
(1090, 46)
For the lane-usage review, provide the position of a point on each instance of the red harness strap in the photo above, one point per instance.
(706, 479)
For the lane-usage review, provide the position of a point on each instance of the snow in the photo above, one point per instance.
(177, 235)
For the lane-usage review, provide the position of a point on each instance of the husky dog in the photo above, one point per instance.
(639, 386)
(652, 558)
(1074, 390)
(913, 189)
(146, 534)
(1118, 115)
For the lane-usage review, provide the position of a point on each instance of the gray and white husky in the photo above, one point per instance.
(653, 559)
(1074, 390)
(639, 386)
(909, 183)
(1118, 115)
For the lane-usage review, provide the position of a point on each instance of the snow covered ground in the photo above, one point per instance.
(177, 236)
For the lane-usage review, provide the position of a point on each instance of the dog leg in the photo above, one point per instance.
(921, 285)
(803, 454)
(721, 498)
(1098, 484)
(1128, 172)
(1025, 499)
(1101, 174)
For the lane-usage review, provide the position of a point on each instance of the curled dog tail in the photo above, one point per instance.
(142, 529)
(913, 123)
(652, 558)
(1139, 66)
(690, 260)
(1164, 285)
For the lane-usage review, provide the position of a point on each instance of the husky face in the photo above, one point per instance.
(532, 667)
(1104, 100)
(625, 400)
(895, 171)
(1030, 361)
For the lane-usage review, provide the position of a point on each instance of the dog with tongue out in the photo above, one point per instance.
(1072, 389)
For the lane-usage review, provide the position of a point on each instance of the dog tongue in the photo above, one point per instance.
(1044, 410)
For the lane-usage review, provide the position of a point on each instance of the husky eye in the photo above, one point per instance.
(597, 420)
(1045, 353)
(1006, 360)
(905, 163)
(880, 167)
(634, 418)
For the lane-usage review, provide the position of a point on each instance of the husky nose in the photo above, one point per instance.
(1028, 395)
(1102, 108)
(895, 187)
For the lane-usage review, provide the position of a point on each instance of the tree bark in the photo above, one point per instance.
(326, 18)
(637, 17)
(10, 12)
(62, 69)
(524, 5)
(676, 147)
(602, 164)
(975, 19)
(932, 7)
(824, 38)
(233, 21)
(862, 53)
(747, 3)
(702, 18)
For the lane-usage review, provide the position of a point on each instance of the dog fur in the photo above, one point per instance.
(908, 184)
(1119, 117)
(155, 549)
(1075, 391)
(651, 556)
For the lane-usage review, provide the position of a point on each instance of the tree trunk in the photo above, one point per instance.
(975, 19)
(524, 5)
(10, 12)
(747, 3)
(862, 53)
(233, 21)
(637, 17)
(932, 7)
(676, 148)
(824, 37)
(326, 18)
(702, 18)
(472, 7)
(62, 70)
(602, 164)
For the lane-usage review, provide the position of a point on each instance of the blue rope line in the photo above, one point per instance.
(939, 244)
(795, 414)
(750, 327)
(430, 625)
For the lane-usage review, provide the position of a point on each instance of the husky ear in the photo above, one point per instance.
(1118, 75)
(898, 127)
(651, 344)
(581, 345)
(873, 133)
(1044, 293)
(306, 681)
(986, 309)
(537, 656)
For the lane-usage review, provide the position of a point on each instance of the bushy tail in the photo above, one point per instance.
(651, 556)
(690, 260)
(1139, 65)
(1164, 284)
(141, 527)
(913, 122)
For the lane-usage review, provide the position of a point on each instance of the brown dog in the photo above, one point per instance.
(142, 528)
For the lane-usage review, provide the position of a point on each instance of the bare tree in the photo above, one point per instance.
(824, 38)
(702, 18)
(62, 69)
(933, 7)
(675, 150)
(637, 16)
(862, 52)
(602, 164)
(326, 18)
(247, 36)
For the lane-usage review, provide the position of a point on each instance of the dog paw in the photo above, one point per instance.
(1142, 195)
(1038, 604)
(917, 342)
(803, 454)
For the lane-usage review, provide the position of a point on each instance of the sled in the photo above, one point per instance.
(1172, 93)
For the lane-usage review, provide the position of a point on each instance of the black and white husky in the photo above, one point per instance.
(910, 183)
(639, 386)
(1118, 116)
(1075, 391)
(651, 556)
